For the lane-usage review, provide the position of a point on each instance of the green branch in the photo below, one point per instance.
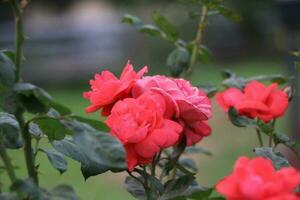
(19, 38)
(28, 151)
(198, 40)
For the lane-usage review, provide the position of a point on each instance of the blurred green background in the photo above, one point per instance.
(69, 41)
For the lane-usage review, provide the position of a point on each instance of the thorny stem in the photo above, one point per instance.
(28, 151)
(198, 40)
(271, 136)
(19, 38)
(8, 165)
(154, 163)
(259, 138)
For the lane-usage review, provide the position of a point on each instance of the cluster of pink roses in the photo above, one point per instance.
(148, 114)
(256, 179)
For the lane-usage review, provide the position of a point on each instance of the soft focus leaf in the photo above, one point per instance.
(10, 131)
(178, 61)
(97, 152)
(10, 54)
(7, 72)
(63, 110)
(281, 138)
(277, 78)
(163, 24)
(8, 196)
(63, 192)
(96, 124)
(177, 187)
(150, 30)
(204, 54)
(277, 158)
(33, 98)
(57, 159)
(228, 13)
(34, 130)
(240, 121)
(189, 164)
(9, 102)
(265, 127)
(132, 20)
(199, 192)
(53, 128)
(197, 149)
(210, 90)
(232, 80)
(135, 188)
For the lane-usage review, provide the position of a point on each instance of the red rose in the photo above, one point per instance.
(186, 104)
(256, 101)
(140, 125)
(256, 179)
(107, 89)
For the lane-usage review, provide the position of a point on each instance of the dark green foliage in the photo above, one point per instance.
(10, 134)
(57, 159)
(277, 158)
(240, 121)
(178, 61)
(97, 152)
(7, 72)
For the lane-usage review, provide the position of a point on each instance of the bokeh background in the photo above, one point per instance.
(69, 41)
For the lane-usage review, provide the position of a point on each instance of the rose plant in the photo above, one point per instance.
(151, 124)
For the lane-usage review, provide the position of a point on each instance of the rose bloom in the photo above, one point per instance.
(186, 104)
(107, 89)
(142, 128)
(256, 179)
(256, 101)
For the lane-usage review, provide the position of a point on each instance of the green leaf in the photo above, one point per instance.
(9, 102)
(197, 149)
(204, 54)
(57, 159)
(228, 13)
(10, 54)
(132, 20)
(178, 61)
(28, 189)
(265, 127)
(277, 78)
(155, 185)
(199, 192)
(33, 98)
(232, 80)
(150, 30)
(35, 130)
(63, 110)
(98, 125)
(63, 192)
(277, 158)
(281, 138)
(177, 187)
(10, 131)
(7, 72)
(210, 90)
(53, 128)
(189, 164)
(240, 121)
(135, 188)
(97, 152)
(8, 196)
(168, 28)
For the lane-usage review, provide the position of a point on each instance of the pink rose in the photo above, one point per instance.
(256, 101)
(140, 125)
(186, 104)
(107, 89)
(256, 179)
